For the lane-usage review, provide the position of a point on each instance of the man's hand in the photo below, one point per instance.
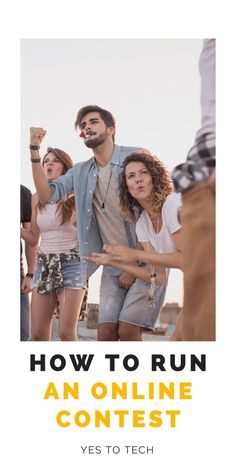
(121, 253)
(26, 286)
(126, 280)
(36, 135)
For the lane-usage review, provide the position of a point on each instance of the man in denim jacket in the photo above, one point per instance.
(124, 310)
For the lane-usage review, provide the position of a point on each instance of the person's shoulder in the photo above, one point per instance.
(25, 191)
(129, 149)
(142, 220)
(172, 200)
(142, 227)
(83, 164)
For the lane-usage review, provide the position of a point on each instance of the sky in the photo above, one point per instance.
(152, 87)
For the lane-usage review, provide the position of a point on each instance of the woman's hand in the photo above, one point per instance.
(36, 136)
(99, 258)
(121, 252)
(26, 286)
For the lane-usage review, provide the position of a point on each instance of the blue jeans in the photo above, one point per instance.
(24, 315)
(71, 274)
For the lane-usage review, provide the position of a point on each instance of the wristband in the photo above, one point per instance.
(36, 160)
(34, 147)
(153, 277)
(29, 274)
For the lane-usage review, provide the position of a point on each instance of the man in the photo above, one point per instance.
(30, 254)
(124, 308)
(195, 179)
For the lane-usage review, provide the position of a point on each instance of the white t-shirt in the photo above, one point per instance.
(162, 242)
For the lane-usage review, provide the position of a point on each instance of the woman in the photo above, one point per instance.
(57, 274)
(146, 191)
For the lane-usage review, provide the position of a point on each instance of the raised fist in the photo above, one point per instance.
(36, 135)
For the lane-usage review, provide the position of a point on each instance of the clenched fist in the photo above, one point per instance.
(36, 135)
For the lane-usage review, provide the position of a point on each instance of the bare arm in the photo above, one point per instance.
(40, 181)
(31, 233)
(133, 269)
(169, 260)
(139, 272)
(30, 254)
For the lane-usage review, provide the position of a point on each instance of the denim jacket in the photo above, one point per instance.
(81, 180)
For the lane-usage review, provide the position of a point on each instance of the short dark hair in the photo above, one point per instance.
(105, 115)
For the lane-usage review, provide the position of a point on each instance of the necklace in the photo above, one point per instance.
(103, 200)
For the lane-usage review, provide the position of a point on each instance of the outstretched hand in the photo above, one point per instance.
(36, 135)
(98, 258)
(121, 252)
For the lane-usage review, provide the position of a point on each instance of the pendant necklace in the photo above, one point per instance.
(103, 200)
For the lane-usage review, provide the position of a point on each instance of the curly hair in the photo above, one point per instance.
(162, 185)
(65, 208)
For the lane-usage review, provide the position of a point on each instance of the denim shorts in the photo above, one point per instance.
(132, 306)
(70, 273)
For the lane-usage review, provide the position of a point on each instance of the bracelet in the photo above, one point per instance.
(29, 274)
(36, 160)
(34, 147)
(152, 289)
(153, 277)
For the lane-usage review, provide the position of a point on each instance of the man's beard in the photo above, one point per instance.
(92, 143)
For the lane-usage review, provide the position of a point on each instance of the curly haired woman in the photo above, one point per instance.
(146, 196)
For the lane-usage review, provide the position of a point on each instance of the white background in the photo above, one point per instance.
(27, 422)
